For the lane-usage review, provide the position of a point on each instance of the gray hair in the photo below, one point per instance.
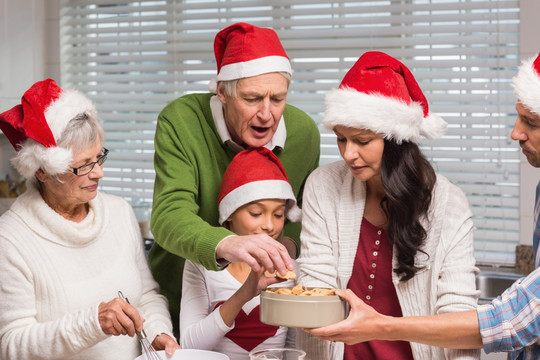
(228, 87)
(83, 131)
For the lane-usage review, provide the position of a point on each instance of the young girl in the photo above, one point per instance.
(219, 311)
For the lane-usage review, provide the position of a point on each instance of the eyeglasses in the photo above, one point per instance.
(87, 168)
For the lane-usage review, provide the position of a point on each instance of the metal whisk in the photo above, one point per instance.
(148, 350)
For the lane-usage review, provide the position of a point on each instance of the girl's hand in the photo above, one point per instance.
(256, 282)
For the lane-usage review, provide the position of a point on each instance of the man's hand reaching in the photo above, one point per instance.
(259, 251)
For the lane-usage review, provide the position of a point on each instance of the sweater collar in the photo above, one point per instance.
(277, 141)
(47, 223)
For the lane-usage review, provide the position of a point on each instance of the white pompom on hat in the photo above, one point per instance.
(255, 174)
(34, 126)
(379, 93)
(243, 50)
(527, 84)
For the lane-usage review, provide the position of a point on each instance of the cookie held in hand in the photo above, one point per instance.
(289, 276)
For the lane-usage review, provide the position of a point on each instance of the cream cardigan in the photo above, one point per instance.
(333, 208)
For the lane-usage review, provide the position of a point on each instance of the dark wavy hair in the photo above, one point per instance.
(408, 180)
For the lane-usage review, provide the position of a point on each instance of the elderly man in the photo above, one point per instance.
(197, 137)
(510, 323)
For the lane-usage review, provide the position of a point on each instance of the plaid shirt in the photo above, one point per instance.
(536, 231)
(512, 321)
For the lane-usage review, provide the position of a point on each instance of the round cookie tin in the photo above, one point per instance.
(301, 311)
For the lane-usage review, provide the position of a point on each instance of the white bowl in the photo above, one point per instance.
(190, 354)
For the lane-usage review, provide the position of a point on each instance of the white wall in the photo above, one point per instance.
(29, 44)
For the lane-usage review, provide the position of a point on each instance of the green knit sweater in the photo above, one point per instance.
(190, 160)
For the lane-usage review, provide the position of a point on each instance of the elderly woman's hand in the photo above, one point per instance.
(165, 342)
(117, 317)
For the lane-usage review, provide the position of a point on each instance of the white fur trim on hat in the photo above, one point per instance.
(433, 126)
(526, 86)
(263, 65)
(257, 190)
(61, 111)
(250, 68)
(294, 213)
(212, 85)
(391, 118)
(33, 156)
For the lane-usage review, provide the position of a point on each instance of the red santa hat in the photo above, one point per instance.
(243, 50)
(255, 174)
(379, 93)
(527, 84)
(34, 126)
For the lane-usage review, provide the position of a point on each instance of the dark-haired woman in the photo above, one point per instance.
(381, 222)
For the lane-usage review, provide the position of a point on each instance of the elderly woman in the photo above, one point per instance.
(66, 249)
(382, 222)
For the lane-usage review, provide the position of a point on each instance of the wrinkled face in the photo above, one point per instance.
(259, 217)
(253, 115)
(527, 132)
(362, 150)
(74, 190)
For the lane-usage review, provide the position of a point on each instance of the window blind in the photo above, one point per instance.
(133, 57)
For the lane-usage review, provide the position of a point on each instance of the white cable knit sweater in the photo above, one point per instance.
(332, 212)
(55, 273)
